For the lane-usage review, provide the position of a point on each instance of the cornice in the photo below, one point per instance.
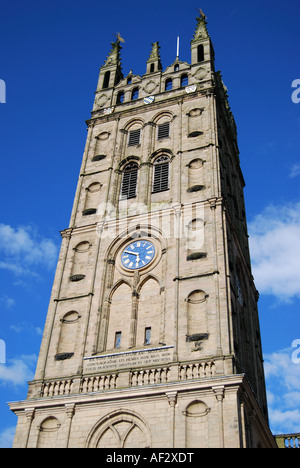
(139, 107)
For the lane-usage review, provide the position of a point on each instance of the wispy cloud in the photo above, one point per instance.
(267, 148)
(283, 383)
(27, 328)
(275, 251)
(23, 250)
(18, 370)
(295, 171)
(7, 437)
(7, 302)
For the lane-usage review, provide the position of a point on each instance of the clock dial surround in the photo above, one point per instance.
(137, 254)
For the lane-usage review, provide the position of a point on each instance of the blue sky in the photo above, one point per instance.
(50, 58)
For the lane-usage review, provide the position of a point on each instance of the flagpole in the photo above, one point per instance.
(177, 56)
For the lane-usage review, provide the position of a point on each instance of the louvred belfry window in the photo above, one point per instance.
(161, 174)
(163, 130)
(129, 181)
(134, 137)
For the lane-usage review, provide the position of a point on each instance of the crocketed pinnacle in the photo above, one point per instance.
(201, 29)
(114, 57)
(155, 54)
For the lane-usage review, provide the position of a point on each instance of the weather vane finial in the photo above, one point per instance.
(119, 38)
(202, 15)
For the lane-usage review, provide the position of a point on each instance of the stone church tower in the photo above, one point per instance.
(152, 336)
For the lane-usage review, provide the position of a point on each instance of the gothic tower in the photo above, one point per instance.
(152, 334)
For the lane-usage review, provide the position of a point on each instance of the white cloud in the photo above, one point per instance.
(7, 302)
(7, 437)
(287, 422)
(18, 371)
(280, 365)
(23, 249)
(275, 251)
(295, 171)
(283, 384)
(27, 328)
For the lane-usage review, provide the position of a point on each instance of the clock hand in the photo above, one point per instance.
(131, 253)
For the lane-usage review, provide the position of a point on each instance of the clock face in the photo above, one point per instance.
(138, 254)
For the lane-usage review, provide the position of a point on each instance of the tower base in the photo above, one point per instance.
(219, 412)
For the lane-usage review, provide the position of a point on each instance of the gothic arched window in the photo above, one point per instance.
(161, 174)
(129, 181)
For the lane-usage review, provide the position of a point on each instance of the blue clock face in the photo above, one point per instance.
(138, 254)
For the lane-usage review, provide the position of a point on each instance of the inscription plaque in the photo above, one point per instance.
(128, 359)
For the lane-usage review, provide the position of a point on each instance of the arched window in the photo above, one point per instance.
(161, 174)
(80, 260)
(197, 414)
(184, 80)
(68, 334)
(168, 84)
(48, 431)
(135, 94)
(120, 429)
(92, 199)
(195, 175)
(120, 97)
(149, 310)
(106, 80)
(196, 313)
(129, 181)
(118, 333)
(200, 53)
